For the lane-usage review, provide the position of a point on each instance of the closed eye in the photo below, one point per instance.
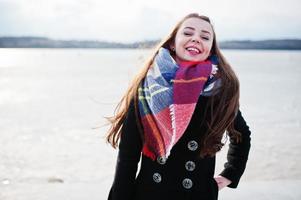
(189, 34)
(185, 33)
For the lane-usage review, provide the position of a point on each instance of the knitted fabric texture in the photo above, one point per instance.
(167, 99)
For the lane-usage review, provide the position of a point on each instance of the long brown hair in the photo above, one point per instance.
(220, 109)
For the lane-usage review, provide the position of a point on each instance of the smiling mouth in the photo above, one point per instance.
(193, 50)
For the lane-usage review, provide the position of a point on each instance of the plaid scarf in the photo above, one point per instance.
(167, 99)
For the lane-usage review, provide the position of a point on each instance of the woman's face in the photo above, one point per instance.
(193, 41)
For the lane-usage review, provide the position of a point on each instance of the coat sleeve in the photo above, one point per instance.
(128, 157)
(238, 153)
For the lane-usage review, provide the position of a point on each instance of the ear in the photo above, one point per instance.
(172, 47)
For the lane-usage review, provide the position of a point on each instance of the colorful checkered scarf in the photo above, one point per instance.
(167, 99)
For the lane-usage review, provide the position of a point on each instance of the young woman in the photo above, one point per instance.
(173, 117)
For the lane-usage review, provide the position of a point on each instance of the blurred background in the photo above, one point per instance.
(64, 65)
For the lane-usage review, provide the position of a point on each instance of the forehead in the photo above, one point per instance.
(197, 23)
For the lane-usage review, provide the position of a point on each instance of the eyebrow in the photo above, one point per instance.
(204, 31)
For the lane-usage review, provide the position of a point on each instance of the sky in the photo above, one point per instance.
(138, 20)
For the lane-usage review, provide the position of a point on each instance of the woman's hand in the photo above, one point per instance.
(222, 182)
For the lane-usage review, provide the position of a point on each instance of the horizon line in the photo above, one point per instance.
(145, 40)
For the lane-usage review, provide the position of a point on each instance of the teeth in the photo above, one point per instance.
(193, 49)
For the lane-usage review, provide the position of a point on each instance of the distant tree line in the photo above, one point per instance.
(42, 42)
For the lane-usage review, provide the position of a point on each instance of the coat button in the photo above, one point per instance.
(190, 165)
(157, 177)
(187, 183)
(161, 160)
(192, 145)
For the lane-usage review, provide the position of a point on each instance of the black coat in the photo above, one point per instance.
(184, 175)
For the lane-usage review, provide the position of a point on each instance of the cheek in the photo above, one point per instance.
(180, 40)
(178, 43)
(207, 48)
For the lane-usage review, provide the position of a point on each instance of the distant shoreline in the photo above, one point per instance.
(43, 42)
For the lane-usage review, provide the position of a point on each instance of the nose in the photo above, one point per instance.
(195, 40)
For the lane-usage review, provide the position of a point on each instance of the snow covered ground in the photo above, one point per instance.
(53, 101)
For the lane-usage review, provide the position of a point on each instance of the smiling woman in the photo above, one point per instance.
(175, 113)
(193, 41)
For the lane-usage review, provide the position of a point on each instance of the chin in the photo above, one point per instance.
(195, 59)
